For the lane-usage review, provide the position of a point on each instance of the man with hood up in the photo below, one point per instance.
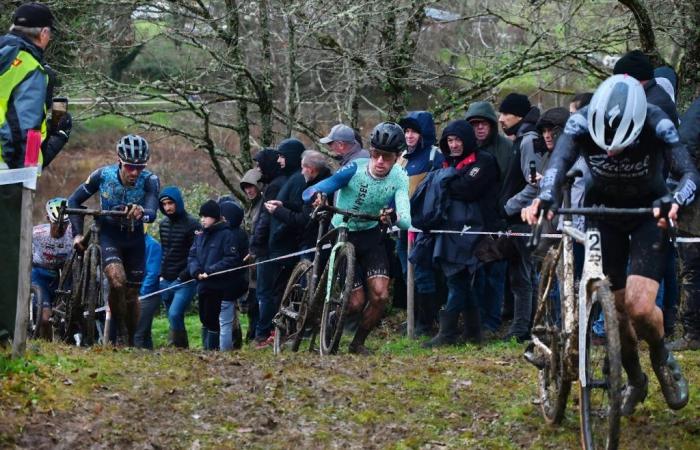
(252, 187)
(421, 156)
(177, 231)
(490, 279)
(470, 177)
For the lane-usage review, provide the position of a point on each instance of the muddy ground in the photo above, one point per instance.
(61, 397)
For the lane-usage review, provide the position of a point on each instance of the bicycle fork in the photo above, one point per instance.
(592, 271)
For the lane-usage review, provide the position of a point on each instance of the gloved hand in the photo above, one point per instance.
(64, 126)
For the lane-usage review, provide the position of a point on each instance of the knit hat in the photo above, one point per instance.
(210, 209)
(635, 64)
(516, 104)
(410, 122)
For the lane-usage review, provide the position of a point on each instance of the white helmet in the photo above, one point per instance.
(616, 113)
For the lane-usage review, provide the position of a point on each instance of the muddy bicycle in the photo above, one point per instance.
(564, 346)
(80, 296)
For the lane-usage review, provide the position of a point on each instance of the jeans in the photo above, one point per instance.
(489, 287)
(47, 282)
(459, 292)
(520, 271)
(177, 301)
(226, 318)
(149, 308)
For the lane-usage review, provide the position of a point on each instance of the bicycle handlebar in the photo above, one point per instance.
(93, 212)
(603, 211)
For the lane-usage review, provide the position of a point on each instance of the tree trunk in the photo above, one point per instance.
(265, 92)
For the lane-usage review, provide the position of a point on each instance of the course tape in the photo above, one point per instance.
(464, 231)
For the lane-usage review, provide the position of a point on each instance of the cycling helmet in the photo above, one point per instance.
(53, 207)
(616, 113)
(133, 149)
(388, 137)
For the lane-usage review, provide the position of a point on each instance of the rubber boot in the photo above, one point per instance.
(424, 318)
(237, 334)
(212, 340)
(472, 326)
(448, 330)
(205, 338)
(357, 346)
(180, 338)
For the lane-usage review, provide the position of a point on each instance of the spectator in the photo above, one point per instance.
(251, 185)
(314, 168)
(667, 78)
(637, 65)
(27, 87)
(214, 250)
(517, 118)
(490, 279)
(344, 145)
(470, 177)
(177, 230)
(421, 156)
(230, 336)
(579, 100)
(150, 305)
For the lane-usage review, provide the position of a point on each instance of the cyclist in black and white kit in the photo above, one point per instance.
(628, 145)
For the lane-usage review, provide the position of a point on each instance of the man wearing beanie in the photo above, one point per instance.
(214, 250)
(518, 119)
(638, 65)
(470, 177)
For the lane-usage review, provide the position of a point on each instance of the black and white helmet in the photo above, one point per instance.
(388, 137)
(616, 113)
(133, 149)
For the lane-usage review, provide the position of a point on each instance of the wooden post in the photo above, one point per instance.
(410, 304)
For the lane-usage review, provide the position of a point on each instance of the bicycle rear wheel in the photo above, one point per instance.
(552, 383)
(335, 307)
(93, 289)
(601, 398)
(290, 318)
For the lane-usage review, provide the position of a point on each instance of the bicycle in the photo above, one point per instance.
(79, 294)
(567, 350)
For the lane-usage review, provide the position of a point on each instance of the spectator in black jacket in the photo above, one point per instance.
(230, 335)
(214, 250)
(176, 236)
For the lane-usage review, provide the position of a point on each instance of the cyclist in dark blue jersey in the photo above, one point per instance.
(125, 186)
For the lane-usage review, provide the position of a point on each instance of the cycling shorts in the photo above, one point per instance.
(632, 247)
(46, 281)
(370, 255)
(126, 248)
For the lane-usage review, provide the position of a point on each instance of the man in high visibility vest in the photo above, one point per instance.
(25, 96)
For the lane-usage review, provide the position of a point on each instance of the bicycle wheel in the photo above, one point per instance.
(290, 318)
(552, 383)
(334, 308)
(601, 398)
(36, 305)
(93, 287)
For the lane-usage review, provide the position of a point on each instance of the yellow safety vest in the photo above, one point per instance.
(16, 73)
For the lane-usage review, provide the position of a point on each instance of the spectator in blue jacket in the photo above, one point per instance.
(214, 250)
(150, 284)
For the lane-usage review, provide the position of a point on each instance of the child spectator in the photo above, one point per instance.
(214, 250)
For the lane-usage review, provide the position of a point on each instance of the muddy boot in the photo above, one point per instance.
(634, 394)
(472, 326)
(171, 338)
(180, 338)
(673, 384)
(424, 320)
(237, 334)
(448, 330)
(212, 340)
(205, 338)
(357, 346)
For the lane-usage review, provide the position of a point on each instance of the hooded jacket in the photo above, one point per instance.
(657, 96)
(426, 156)
(234, 217)
(214, 250)
(273, 176)
(176, 236)
(151, 273)
(291, 149)
(252, 177)
(496, 144)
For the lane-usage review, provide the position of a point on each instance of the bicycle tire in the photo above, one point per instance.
(341, 287)
(73, 301)
(552, 383)
(92, 292)
(313, 318)
(36, 306)
(293, 307)
(600, 414)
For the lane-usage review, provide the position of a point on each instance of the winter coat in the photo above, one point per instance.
(690, 135)
(283, 238)
(214, 249)
(291, 149)
(426, 156)
(275, 179)
(252, 177)
(498, 145)
(297, 220)
(517, 174)
(234, 217)
(176, 236)
(152, 267)
(356, 152)
(657, 96)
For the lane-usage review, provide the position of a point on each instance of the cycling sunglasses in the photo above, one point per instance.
(386, 156)
(131, 167)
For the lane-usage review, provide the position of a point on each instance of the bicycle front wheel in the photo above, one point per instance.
(601, 397)
(553, 385)
(289, 320)
(341, 282)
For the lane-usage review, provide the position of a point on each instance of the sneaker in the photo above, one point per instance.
(684, 343)
(633, 395)
(264, 343)
(673, 385)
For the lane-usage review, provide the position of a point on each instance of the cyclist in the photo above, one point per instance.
(51, 246)
(368, 186)
(627, 145)
(125, 186)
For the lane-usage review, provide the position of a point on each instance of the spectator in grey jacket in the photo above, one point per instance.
(342, 141)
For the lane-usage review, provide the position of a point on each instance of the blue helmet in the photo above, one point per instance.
(133, 149)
